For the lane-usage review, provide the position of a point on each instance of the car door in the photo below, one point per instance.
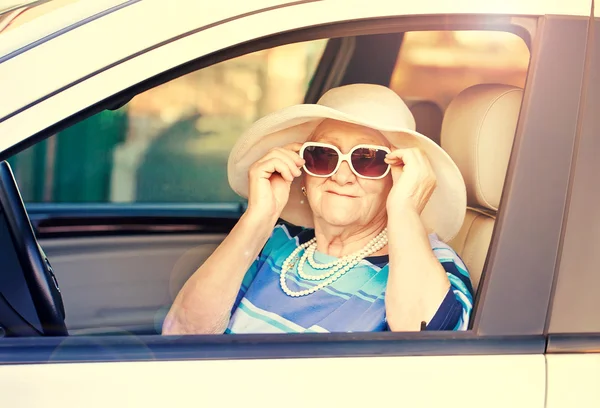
(127, 217)
(502, 354)
(573, 324)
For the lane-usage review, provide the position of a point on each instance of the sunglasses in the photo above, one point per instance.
(366, 161)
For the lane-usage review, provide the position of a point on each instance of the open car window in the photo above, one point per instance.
(437, 65)
(169, 144)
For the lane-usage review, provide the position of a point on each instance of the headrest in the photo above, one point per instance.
(428, 117)
(478, 133)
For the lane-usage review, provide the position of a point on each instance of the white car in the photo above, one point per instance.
(117, 116)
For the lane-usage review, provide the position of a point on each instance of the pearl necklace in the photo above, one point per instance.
(338, 267)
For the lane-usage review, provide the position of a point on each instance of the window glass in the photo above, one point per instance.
(432, 68)
(168, 144)
(437, 65)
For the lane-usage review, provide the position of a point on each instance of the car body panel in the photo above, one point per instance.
(573, 380)
(573, 350)
(498, 381)
(416, 380)
(55, 17)
(146, 48)
(578, 270)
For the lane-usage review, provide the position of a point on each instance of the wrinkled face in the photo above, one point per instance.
(344, 199)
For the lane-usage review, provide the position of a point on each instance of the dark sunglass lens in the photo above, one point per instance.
(320, 160)
(369, 162)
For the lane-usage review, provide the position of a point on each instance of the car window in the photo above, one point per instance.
(170, 143)
(437, 65)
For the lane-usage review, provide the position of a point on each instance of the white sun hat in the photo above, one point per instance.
(372, 106)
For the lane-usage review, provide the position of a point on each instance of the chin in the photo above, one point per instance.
(337, 212)
(340, 220)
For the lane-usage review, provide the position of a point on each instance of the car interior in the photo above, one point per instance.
(120, 269)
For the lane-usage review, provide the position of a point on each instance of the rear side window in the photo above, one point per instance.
(170, 143)
(437, 65)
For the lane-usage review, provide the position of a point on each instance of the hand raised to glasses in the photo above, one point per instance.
(414, 179)
(270, 179)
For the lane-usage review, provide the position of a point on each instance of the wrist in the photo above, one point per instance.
(259, 219)
(401, 206)
(403, 215)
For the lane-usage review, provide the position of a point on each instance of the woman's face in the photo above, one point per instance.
(344, 199)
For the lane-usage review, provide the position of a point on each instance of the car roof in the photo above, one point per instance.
(56, 15)
(100, 38)
(33, 21)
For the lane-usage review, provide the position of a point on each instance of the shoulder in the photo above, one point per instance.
(284, 235)
(288, 232)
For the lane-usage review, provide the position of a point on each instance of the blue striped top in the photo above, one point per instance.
(353, 303)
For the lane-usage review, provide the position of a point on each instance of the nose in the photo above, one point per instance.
(344, 175)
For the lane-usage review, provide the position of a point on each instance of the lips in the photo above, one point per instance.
(340, 194)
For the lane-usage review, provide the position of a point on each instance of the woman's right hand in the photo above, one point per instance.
(270, 179)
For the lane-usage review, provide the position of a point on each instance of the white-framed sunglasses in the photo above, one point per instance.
(365, 160)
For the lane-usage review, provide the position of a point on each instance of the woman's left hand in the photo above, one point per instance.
(414, 179)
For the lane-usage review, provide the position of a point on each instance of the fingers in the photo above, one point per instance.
(286, 151)
(396, 157)
(291, 159)
(275, 165)
(406, 156)
(295, 147)
(282, 160)
(298, 161)
(413, 158)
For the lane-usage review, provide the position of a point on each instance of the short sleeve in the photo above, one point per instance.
(281, 234)
(456, 307)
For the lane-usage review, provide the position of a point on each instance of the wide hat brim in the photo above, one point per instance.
(444, 213)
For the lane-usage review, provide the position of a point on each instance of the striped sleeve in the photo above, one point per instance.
(455, 310)
(278, 237)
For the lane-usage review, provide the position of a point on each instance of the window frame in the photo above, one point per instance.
(520, 218)
(576, 277)
(492, 331)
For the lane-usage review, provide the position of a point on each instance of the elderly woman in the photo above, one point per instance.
(372, 201)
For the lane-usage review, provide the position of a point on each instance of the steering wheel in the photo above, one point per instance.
(31, 276)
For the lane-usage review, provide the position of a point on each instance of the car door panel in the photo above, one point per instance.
(124, 283)
(573, 380)
(471, 381)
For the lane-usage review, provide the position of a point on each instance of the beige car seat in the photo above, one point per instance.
(428, 117)
(478, 132)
